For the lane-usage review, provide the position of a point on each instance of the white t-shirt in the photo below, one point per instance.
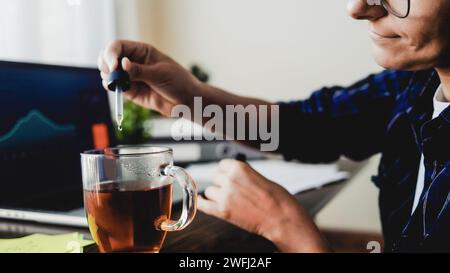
(440, 104)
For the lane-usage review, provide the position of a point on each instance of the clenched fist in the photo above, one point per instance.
(245, 198)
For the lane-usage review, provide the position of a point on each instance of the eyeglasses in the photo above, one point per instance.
(398, 8)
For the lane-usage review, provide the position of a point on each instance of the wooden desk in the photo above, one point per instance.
(206, 234)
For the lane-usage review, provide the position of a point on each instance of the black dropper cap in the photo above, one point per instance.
(120, 78)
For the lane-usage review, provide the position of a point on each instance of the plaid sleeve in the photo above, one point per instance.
(341, 121)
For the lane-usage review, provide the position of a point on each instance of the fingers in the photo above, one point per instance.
(126, 64)
(105, 85)
(135, 70)
(228, 165)
(140, 61)
(112, 54)
(105, 80)
(108, 60)
(102, 66)
(105, 76)
(230, 171)
(104, 70)
(212, 193)
(207, 206)
(135, 51)
(142, 72)
(235, 170)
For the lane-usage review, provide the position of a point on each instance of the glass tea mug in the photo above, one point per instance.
(128, 197)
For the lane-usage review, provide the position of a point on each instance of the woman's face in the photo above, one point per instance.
(420, 41)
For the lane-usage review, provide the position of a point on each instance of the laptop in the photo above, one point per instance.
(48, 116)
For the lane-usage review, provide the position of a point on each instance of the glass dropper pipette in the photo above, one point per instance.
(119, 82)
(119, 107)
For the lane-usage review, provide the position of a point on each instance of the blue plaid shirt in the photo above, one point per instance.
(388, 113)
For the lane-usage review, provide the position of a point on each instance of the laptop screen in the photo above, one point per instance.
(48, 115)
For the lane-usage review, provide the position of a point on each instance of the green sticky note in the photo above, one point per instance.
(41, 243)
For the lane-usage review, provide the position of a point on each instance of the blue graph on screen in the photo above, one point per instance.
(35, 128)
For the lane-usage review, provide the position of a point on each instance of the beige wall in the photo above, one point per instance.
(267, 48)
(275, 49)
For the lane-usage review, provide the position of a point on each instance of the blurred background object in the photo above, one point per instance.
(56, 31)
(133, 125)
(277, 50)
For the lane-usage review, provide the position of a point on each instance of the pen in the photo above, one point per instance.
(241, 157)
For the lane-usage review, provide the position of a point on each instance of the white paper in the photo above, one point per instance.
(294, 177)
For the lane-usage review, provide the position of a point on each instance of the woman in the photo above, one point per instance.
(402, 112)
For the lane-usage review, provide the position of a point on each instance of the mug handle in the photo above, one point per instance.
(189, 199)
